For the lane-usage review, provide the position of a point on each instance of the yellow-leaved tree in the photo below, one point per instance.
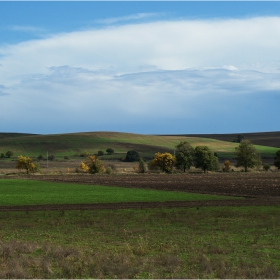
(92, 165)
(164, 160)
(25, 163)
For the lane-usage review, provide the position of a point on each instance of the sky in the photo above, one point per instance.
(160, 67)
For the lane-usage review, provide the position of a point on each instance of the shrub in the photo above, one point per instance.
(112, 166)
(100, 153)
(109, 170)
(25, 163)
(96, 167)
(2, 155)
(226, 166)
(142, 166)
(66, 157)
(84, 154)
(92, 165)
(37, 167)
(266, 167)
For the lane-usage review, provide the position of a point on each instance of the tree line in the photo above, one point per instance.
(184, 158)
(202, 157)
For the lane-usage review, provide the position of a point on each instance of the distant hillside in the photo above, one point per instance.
(271, 139)
(75, 143)
(11, 135)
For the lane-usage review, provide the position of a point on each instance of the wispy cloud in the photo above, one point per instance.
(134, 17)
(26, 28)
(2, 90)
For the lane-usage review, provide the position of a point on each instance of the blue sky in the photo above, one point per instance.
(141, 67)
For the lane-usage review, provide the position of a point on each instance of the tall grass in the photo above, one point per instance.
(213, 242)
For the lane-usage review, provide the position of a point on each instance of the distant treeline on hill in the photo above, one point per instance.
(271, 139)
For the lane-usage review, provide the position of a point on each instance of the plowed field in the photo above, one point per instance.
(256, 188)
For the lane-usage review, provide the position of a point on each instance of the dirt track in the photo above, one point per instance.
(257, 188)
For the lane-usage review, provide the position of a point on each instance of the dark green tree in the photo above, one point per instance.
(246, 155)
(205, 159)
(9, 154)
(184, 155)
(110, 151)
(51, 157)
(132, 156)
(100, 153)
(277, 159)
(40, 157)
(239, 138)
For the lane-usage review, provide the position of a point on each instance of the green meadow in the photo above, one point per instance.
(29, 192)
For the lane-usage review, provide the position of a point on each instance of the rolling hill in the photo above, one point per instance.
(75, 143)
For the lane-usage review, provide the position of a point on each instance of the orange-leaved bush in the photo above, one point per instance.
(92, 165)
(25, 163)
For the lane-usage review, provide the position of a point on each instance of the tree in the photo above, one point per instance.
(277, 159)
(132, 156)
(100, 153)
(239, 138)
(110, 151)
(164, 160)
(205, 159)
(25, 163)
(246, 155)
(9, 154)
(184, 155)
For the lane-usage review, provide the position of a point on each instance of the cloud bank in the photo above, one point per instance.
(200, 76)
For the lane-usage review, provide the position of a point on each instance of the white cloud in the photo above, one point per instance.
(151, 73)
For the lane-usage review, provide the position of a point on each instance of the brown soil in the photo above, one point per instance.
(256, 188)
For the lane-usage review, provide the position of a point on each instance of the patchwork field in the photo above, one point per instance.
(59, 224)
(147, 145)
(200, 237)
(139, 190)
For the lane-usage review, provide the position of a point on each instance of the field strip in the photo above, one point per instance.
(143, 205)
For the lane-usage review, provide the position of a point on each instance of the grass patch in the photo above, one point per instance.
(28, 192)
(210, 242)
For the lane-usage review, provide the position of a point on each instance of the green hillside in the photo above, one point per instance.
(92, 142)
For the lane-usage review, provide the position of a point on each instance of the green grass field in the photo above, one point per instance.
(71, 144)
(207, 243)
(29, 192)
